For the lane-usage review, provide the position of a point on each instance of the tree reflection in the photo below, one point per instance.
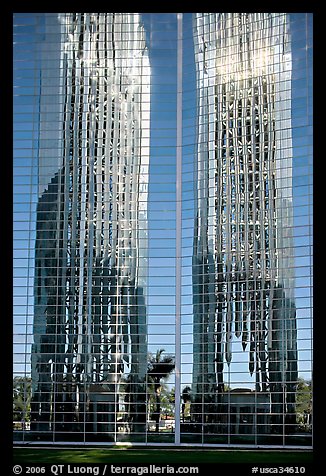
(159, 368)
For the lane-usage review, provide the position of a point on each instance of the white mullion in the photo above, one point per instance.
(178, 264)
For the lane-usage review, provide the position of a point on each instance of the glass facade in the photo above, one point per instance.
(163, 228)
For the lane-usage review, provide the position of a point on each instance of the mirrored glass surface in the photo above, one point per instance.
(162, 217)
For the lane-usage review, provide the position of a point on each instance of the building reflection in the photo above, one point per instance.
(90, 261)
(243, 282)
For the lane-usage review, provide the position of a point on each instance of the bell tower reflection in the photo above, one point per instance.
(243, 282)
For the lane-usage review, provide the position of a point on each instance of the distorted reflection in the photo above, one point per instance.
(163, 210)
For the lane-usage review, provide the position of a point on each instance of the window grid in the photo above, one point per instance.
(163, 228)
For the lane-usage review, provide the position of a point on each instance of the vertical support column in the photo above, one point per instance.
(178, 232)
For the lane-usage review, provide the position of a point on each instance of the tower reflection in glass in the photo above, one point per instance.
(243, 279)
(90, 315)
